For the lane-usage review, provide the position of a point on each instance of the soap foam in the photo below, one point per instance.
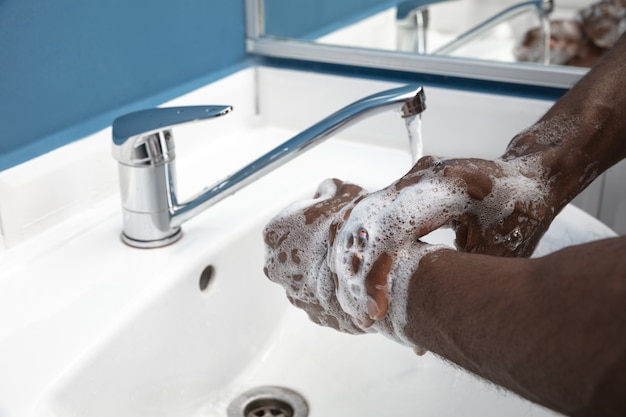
(518, 184)
(295, 257)
(392, 219)
(389, 218)
(550, 132)
(341, 279)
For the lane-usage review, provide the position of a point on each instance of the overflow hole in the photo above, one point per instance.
(206, 277)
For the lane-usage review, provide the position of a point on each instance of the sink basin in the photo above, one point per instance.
(91, 327)
(183, 346)
(185, 329)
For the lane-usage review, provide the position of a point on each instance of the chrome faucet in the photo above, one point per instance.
(144, 147)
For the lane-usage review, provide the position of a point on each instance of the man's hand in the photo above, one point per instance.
(297, 242)
(346, 255)
(345, 270)
(495, 207)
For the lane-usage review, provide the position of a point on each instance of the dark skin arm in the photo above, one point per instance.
(551, 329)
(584, 133)
(545, 328)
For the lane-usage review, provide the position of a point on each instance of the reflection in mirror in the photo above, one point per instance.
(463, 28)
(562, 32)
(365, 33)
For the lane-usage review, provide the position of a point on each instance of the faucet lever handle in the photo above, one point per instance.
(145, 122)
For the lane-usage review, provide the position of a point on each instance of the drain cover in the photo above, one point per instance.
(269, 401)
(268, 408)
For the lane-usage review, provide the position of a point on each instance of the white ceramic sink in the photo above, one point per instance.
(90, 327)
(148, 341)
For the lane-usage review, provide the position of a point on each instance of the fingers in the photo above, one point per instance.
(500, 206)
(346, 257)
(373, 271)
(331, 197)
(296, 242)
(367, 245)
(434, 194)
(511, 238)
(377, 286)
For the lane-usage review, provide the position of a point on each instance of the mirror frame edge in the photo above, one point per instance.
(525, 74)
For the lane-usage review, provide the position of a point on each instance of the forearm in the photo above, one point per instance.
(550, 329)
(584, 133)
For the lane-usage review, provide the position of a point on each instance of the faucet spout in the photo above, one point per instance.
(150, 228)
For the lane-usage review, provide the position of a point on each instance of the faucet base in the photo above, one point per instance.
(151, 244)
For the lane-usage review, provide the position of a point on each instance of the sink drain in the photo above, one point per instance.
(269, 401)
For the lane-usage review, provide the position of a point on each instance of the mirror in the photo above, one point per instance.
(529, 42)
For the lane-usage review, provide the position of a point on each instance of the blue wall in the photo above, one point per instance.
(69, 67)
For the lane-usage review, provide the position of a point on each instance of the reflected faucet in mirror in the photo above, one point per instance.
(143, 145)
(412, 18)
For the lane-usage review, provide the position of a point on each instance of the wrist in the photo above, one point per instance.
(400, 324)
(558, 149)
(579, 137)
